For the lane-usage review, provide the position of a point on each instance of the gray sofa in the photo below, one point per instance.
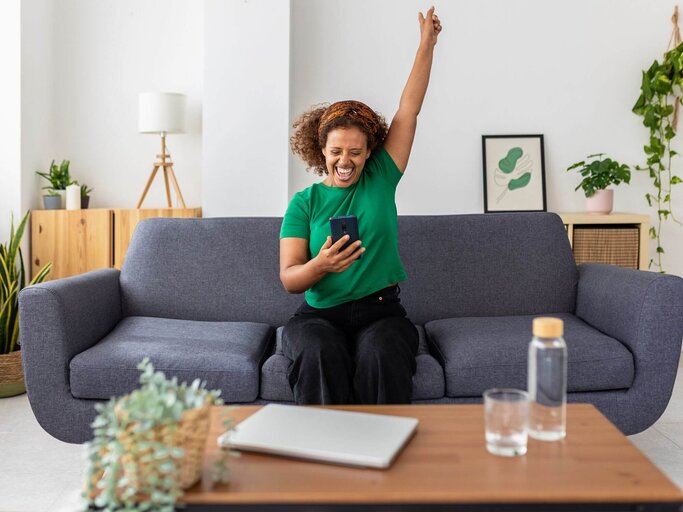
(202, 298)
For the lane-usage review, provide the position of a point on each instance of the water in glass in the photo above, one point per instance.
(506, 414)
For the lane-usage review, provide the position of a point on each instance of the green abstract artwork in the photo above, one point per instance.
(513, 172)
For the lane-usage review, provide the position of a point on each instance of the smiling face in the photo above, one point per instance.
(346, 152)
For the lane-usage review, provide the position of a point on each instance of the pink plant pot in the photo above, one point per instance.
(601, 202)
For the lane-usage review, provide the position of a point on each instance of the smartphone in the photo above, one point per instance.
(344, 225)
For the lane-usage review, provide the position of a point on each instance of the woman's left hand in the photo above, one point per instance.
(430, 27)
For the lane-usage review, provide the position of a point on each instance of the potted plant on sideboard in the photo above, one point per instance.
(59, 178)
(12, 281)
(85, 196)
(52, 200)
(599, 173)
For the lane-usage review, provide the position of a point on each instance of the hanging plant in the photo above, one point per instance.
(661, 89)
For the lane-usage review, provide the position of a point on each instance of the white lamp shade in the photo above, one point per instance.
(161, 112)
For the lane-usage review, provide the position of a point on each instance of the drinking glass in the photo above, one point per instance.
(506, 418)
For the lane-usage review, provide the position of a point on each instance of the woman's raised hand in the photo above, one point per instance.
(332, 259)
(430, 27)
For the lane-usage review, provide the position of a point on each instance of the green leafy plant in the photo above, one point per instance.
(12, 281)
(85, 191)
(57, 175)
(599, 173)
(133, 463)
(660, 90)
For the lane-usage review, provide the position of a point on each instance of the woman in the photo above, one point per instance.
(351, 341)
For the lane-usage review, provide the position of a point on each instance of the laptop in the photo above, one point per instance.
(326, 435)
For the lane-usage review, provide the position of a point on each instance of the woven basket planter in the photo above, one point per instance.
(11, 375)
(190, 434)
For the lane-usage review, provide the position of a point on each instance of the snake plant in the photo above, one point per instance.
(12, 281)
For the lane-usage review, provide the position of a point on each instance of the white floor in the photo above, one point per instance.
(40, 474)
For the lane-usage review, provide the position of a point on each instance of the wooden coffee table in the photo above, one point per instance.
(446, 467)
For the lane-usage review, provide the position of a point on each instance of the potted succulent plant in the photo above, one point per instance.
(85, 196)
(148, 445)
(59, 178)
(12, 281)
(598, 174)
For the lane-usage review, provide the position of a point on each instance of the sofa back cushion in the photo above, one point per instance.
(227, 269)
(497, 264)
(212, 269)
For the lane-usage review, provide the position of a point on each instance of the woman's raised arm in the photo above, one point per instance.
(399, 140)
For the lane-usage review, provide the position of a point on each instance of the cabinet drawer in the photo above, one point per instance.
(75, 241)
(615, 245)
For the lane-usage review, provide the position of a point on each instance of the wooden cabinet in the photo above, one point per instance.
(78, 241)
(75, 241)
(618, 238)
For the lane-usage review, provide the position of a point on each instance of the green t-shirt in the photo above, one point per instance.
(372, 200)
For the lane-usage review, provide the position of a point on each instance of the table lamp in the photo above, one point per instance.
(162, 113)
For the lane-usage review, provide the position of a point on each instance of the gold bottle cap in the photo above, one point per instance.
(548, 327)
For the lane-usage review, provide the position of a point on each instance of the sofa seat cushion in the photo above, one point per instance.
(428, 381)
(227, 355)
(488, 352)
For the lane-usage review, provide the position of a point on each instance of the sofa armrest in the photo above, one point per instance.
(644, 311)
(57, 320)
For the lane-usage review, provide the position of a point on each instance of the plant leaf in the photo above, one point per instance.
(520, 182)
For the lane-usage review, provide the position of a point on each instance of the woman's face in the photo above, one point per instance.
(345, 153)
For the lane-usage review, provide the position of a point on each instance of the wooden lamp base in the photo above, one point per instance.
(167, 165)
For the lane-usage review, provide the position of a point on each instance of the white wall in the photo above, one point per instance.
(106, 52)
(246, 107)
(568, 70)
(37, 98)
(10, 115)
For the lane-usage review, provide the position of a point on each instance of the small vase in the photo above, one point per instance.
(73, 197)
(11, 375)
(52, 202)
(601, 202)
(85, 201)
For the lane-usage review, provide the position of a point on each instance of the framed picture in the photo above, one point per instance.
(514, 173)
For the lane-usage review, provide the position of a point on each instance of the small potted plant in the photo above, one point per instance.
(59, 178)
(85, 196)
(598, 174)
(148, 445)
(52, 200)
(12, 281)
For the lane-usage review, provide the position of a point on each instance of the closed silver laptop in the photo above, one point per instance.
(327, 435)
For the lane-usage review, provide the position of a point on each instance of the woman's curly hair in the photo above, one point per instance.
(312, 127)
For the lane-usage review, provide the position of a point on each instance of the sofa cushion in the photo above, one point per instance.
(498, 264)
(223, 270)
(225, 354)
(428, 381)
(479, 353)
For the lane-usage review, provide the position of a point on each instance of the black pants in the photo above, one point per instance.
(361, 351)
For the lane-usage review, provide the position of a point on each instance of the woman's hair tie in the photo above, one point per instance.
(353, 112)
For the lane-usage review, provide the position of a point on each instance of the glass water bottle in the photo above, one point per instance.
(547, 380)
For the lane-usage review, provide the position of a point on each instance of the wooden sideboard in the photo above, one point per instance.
(78, 241)
(617, 238)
